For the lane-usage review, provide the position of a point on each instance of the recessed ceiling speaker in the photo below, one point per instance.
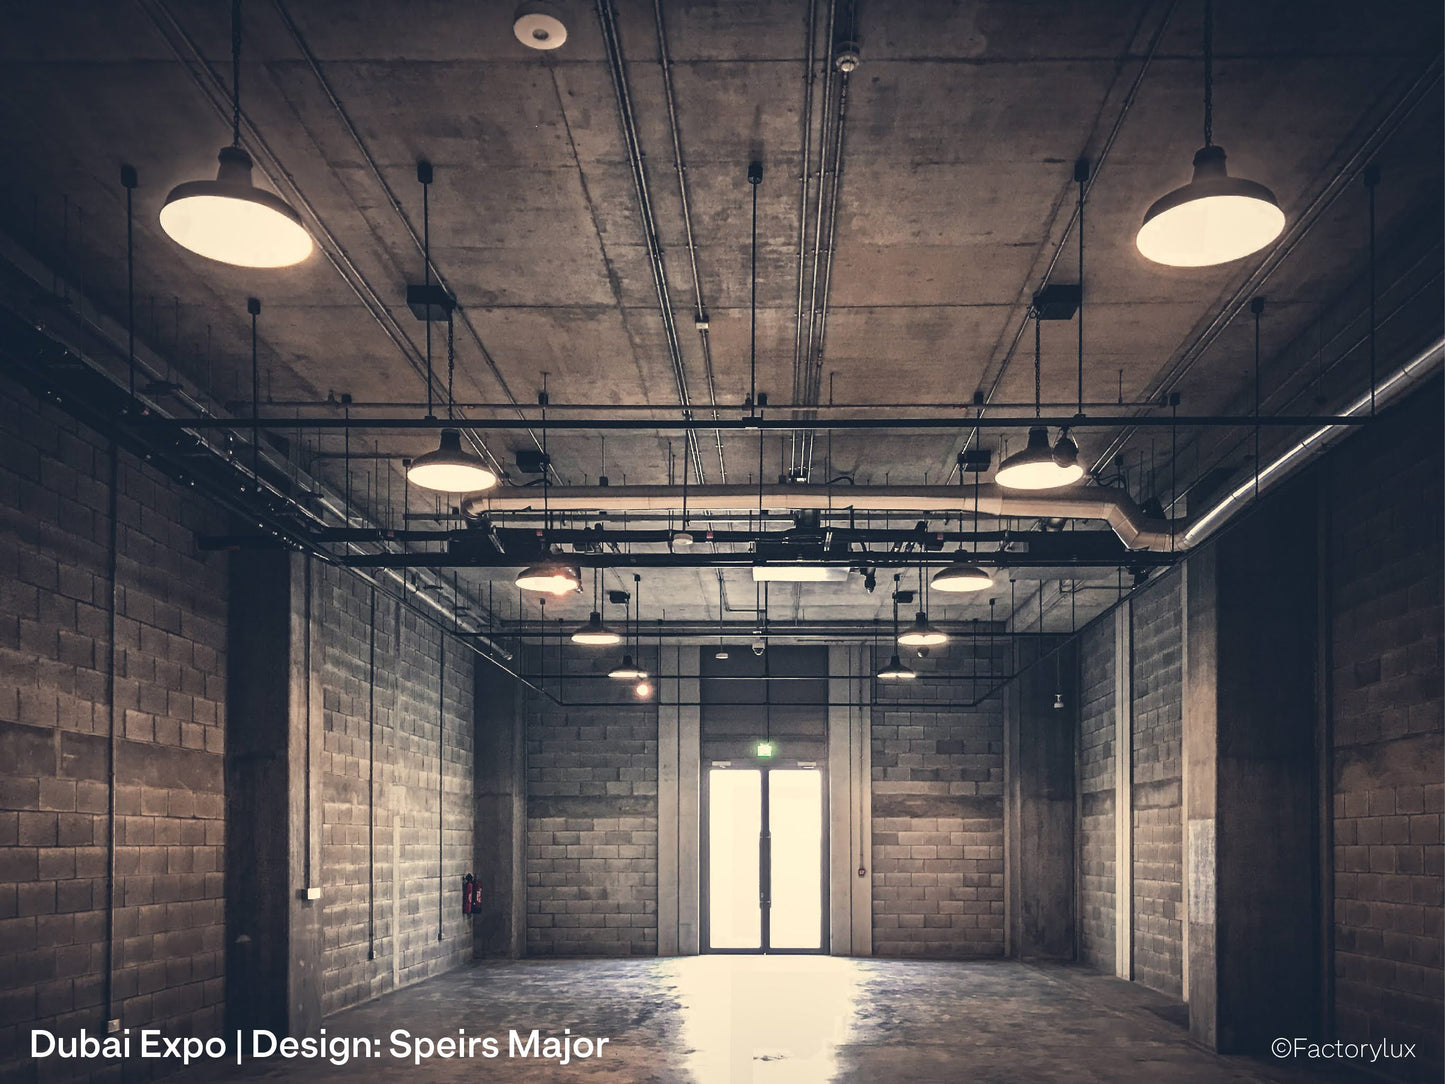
(538, 24)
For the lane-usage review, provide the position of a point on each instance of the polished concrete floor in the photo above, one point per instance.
(777, 1020)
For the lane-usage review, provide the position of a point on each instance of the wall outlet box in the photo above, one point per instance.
(112, 1026)
(309, 893)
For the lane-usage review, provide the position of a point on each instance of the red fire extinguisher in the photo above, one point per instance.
(468, 893)
(476, 895)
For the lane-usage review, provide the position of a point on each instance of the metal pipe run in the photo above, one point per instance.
(690, 424)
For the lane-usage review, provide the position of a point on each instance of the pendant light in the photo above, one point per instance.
(1215, 218)
(921, 633)
(450, 468)
(229, 219)
(683, 537)
(550, 576)
(627, 669)
(895, 670)
(962, 577)
(1036, 467)
(595, 633)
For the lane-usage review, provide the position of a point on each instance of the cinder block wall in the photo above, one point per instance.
(1096, 839)
(170, 697)
(591, 862)
(938, 865)
(1384, 499)
(1158, 673)
(396, 791)
(54, 721)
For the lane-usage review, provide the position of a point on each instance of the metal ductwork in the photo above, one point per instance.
(1113, 506)
(1136, 530)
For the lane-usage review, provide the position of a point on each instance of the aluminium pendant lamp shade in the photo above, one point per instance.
(627, 670)
(1213, 219)
(451, 468)
(550, 577)
(896, 671)
(960, 578)
(232, 221)
(595, 633)
(1036, 466)
(922, 634)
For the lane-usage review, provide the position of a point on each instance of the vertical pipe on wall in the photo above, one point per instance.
(112, 564)
(441, 774)
(371, 781)
(1324, 754)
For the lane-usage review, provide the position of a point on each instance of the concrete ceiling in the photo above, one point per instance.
(963, 124)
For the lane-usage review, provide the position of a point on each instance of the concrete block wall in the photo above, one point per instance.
(393, 845)
(591, 861)
(938, 863)
(1096, 837)
(170, 695)
(1158, 637)
(1384, 498)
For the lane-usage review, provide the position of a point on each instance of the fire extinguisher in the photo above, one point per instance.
(476, 895)
(468, 893)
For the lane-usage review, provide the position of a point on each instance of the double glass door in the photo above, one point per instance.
(764, 861)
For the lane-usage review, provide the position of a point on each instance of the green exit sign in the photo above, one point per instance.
(765, 749)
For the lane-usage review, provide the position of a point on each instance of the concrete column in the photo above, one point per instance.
(1124, 791)
(850, 896)
(1250, 806)
(273, 811)
(1039, 806)
(499, 783)
(678, 843)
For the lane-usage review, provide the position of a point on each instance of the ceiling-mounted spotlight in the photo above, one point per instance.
(1214, 218)
(896, 671)
(1066, 452)
(595, 634)
(627, 670)
(959, 578)
(550, 576)
(921, 633)
(229, 219)
(759, 646)
(1036, 468)
(538, 25)
(451, 468)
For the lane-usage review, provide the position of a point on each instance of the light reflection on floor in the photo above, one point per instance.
(764, 1019)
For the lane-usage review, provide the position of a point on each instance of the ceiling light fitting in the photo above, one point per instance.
(922, 634)
(229, 219)
(450, 468)
(595, 634)
(551, 576)
(538, 25)
(1215, 218)
(1040, 466)
(895, 670)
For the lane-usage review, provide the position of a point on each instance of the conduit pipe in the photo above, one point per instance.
(1302, 451)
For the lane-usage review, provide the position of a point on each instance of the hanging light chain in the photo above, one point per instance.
(1038, 366)
(235, 73)
(1209, 73)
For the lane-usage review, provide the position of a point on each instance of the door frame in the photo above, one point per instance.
(704, 832)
